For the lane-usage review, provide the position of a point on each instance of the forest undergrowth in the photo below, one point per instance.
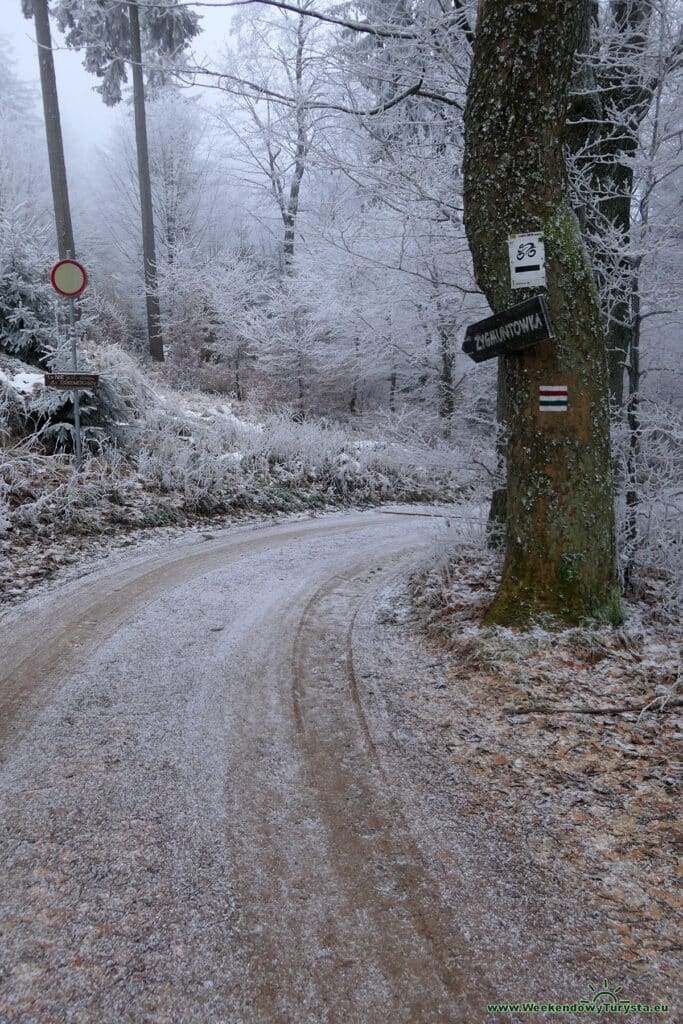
(571, 740)
(160, 457)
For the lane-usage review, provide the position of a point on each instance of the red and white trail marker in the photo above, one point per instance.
(553, 397)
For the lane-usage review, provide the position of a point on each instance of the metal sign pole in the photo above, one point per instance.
(69, 278)
(74, 367)
(74, 360)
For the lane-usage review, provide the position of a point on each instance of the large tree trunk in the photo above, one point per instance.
(560, 551)
(53, 130)
(156, 343)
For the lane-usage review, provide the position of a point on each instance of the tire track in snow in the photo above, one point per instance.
(38, 647)
(408, 935)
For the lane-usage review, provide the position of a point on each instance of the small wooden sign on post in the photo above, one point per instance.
(68, 381)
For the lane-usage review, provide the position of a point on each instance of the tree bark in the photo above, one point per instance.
(155, 339)
(612, 96)
(53, 131)
(289, 214)
(560, 551)
(634, 436)
(629, 101)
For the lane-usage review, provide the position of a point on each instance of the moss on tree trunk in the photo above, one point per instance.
(560, 551)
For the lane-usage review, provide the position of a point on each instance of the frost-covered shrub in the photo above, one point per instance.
(183, 454)
(28, 481)
(650, 504)
(27, 319)
(123, 396)
(12, 412)
(193, 465)
(205, 302)
(109, 413)
(108, 321)
(214, 461)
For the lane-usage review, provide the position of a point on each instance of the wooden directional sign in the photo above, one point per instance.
(72, 380)
(517, 328)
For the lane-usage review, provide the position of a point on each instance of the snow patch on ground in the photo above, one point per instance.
(24, 382)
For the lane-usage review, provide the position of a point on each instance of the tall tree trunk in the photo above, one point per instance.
(446, 396)
(446, 390)
(560, 552)
(629, 99)
(53, 131)
(156, 343)
(611, 99)
(289, 214)
(634, 434)
(585, 110)
(392, 391)
(353, 402)
(597, 144)
(300, 386)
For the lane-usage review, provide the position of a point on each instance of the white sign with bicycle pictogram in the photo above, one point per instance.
(527, 261)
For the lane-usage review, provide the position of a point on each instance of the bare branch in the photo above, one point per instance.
(237, 85)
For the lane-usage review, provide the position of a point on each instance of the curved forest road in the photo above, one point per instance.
(195, 822)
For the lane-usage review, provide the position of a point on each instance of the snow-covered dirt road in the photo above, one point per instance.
(196, 825)
(218, 804)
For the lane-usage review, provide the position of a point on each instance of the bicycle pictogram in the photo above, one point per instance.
(526, 250)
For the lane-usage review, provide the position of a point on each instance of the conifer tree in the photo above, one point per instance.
(38, 10)
(113, 36)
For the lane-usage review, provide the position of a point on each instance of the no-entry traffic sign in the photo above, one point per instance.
(69, 278)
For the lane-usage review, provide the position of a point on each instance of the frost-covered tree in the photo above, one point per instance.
(26, 298)
(402, 154)
(115, 36)
(627, 172)
(38, 10)
(631, 53)
(193, 216)
(27, 314)
(188, 197)
(23, 170)
(278, 76)
(560, 554)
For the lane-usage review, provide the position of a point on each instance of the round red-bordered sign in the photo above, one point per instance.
(69, 278)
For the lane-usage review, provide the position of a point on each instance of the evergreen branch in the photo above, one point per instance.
(383, 31)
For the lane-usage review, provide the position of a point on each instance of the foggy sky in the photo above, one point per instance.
(86, 122)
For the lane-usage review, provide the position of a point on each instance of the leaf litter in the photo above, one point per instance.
(574, 739)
